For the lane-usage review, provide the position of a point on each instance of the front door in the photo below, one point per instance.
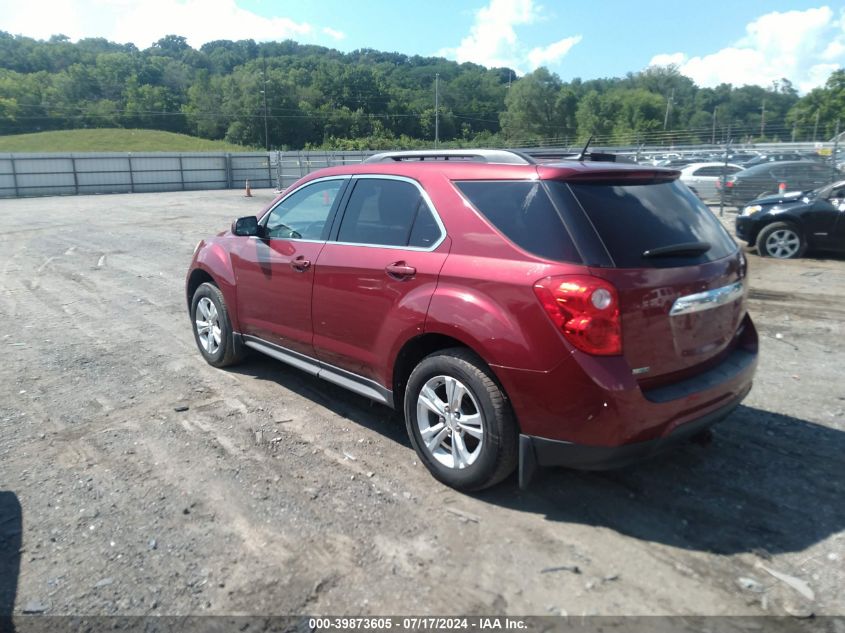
(275, 272)
(837, 201)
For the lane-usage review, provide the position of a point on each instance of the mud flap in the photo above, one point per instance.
(527, 461)
(238, 344)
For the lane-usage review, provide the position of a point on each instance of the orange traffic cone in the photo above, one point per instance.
(248, 192)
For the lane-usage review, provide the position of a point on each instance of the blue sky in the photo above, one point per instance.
(752, 41)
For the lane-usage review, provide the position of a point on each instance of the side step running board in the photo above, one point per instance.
(346, 379)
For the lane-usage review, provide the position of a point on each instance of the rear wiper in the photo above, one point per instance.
(679, 250)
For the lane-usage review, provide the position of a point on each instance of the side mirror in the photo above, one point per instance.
(246, 226)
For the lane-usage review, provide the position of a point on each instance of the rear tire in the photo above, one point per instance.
(781, 240)
(459, 420)
(212, 327)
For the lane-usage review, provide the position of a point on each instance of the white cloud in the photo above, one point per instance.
(803, 46)
(553, 53)
(668, 59)
(493, 42)
(143, 22)
(333, 33)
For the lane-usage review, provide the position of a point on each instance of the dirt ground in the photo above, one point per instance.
(276, 493)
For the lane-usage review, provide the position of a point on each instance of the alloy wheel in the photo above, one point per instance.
(450, 422)
(208, 325)
(783, 243)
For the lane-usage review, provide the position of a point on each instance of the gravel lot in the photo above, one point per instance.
(137, 479)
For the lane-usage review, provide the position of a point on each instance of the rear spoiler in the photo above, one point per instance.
(599, 176)
(543, 156)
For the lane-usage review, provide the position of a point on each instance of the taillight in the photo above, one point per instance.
(586, 309)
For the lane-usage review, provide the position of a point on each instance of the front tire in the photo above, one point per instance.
(213, 331)
(781, 240)
(459, 420)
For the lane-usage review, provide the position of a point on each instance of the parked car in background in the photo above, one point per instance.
(785, 226)
(575, 313)
(701, 178)
(763, 180)
(777, 157)
(740, 158)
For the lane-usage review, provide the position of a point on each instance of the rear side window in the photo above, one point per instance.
(708, 171)
(632, 219)
(523, 212)
(425, 231)
(385, 212)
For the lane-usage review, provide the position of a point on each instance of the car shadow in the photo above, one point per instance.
(358, 409)
(11, 531)
(767, 483)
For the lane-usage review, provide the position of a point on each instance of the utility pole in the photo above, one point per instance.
(668, 106)
(833, 170)
(713, 135)
(436, 109)
(816, 128)
(763, 120)
(724, 178)
(264, 92)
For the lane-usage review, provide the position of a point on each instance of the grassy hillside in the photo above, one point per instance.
(113, 140)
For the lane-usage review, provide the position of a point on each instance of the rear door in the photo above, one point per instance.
(705, 179)
(375, 278)
(645, 229)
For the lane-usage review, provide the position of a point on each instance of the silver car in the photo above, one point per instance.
(702, 177)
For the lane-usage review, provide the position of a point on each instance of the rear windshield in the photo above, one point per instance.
(632, 219)
(523, 212)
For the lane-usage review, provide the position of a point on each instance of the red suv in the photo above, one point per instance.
(582, 313)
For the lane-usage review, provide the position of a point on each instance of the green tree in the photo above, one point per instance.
(535, 111)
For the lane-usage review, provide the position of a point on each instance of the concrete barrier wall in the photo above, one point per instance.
(23, 175)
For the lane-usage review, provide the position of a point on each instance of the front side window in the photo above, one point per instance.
(304, 214)
(837, 194)
(386, 212)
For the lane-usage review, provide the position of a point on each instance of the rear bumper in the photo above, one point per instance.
(539, 451)
(590, 413)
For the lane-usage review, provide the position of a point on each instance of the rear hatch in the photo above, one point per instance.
(679, 274)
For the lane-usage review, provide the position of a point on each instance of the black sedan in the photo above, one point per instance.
(785, 226)
(765, 179)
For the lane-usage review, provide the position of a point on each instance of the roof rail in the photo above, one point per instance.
(499, 156)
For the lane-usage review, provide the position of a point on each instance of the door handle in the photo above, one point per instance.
(400, 270)
(300, 264)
